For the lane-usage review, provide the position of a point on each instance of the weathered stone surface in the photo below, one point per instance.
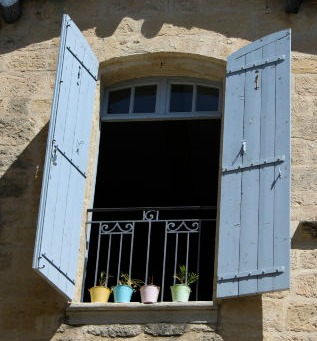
(165, 329)
(304, 198)
(304, 178)
(200, 328)
(308, 258)
(306, 85)
(304, 124)
(15, 130)
(107, 332)
(276, 295)
(306, 285)
(302, 317)
(303, 63)
(305, 155)
(115, 330)
(288, 336)
(273, 319)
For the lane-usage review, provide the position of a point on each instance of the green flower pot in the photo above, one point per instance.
(180, 292)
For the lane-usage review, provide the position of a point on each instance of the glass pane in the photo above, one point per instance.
(144, 99)
(119, 101)
(207, 98)
(181, 98)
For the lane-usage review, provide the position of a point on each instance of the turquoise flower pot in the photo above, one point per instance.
(122, 293)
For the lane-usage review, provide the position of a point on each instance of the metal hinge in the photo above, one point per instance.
(82, 63)
(265, 162)
(267, 61)
(57, 268)
(248, 274)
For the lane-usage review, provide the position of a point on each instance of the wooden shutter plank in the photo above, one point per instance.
(282, 185)
(63, 103)
(250, 177)
(232, 182)
(65, 142)
(82, 136)
(266, 194)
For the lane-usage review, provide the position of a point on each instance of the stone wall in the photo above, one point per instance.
(207, 30)
(157, 332)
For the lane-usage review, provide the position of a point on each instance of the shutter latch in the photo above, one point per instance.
(54, 152)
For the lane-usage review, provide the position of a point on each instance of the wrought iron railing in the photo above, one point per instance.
(150, 243)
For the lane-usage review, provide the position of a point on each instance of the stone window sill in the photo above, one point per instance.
(130, 313)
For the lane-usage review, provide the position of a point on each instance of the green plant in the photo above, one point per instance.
(125, 279)
(102, 278)
(185, 277)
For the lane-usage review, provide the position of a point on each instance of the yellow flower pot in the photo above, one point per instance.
(99, 294)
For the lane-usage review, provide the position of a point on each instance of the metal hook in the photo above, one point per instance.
(257, 80)
(243, 147)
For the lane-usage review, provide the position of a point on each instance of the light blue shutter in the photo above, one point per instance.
(254, 216)
(61, 205)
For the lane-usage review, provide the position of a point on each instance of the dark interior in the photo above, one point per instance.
(159, 164)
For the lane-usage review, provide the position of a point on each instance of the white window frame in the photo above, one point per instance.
(162, 100)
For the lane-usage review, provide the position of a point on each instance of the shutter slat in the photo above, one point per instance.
(282, 191)
(232, 182)
(253, 235)
(250, 178)
(266, 208)
(60, 214)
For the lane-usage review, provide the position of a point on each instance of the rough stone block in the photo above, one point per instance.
(273, 315)
(114, 330)
(304, 125)
(41, 106)
(302, 317)
(304, 178)
(34, 60)
(15, 130)
(308, 259)
(306, 85)
(277, 294)
(165, 329)
(306, 285)
(304, 150)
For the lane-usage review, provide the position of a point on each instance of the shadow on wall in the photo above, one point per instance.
(31, 309)
(304, 238)
(41, 19)
(236, 317)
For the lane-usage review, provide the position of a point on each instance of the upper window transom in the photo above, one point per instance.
(167, 98)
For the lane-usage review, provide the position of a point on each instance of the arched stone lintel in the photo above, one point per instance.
(161, 64)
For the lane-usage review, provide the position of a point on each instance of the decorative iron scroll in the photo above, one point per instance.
(182, 226)
(151, 215)
(116, 227)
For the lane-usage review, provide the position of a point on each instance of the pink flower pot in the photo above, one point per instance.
(149, 293)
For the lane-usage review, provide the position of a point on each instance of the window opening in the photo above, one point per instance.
(166, 167)
(207, 98)
(144, 99)
(119, 101)
(181, 98)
